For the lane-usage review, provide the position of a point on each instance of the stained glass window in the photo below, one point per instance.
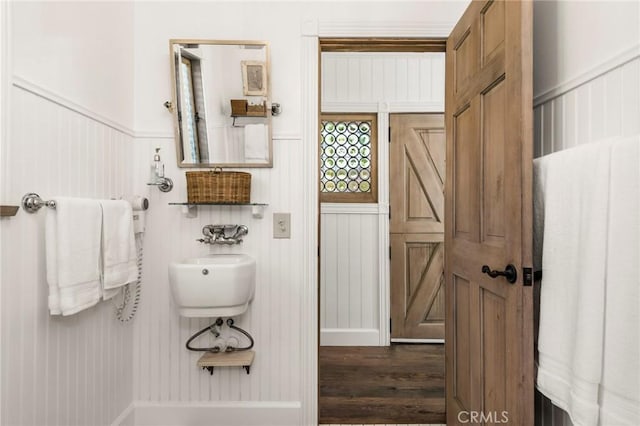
(347, 158)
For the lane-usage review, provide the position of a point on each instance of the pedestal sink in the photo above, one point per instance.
(218, 285)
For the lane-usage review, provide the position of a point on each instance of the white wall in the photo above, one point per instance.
(573, 38)
(79, 50)
(354, 297)
(69, 97)
(586, 88)
(166, 375)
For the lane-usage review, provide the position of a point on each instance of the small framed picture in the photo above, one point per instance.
(254, 78)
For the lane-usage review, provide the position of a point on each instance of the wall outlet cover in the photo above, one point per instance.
(282, 225)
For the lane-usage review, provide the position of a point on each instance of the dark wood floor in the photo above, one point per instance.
(403, 383)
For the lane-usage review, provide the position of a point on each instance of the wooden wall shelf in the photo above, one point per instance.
(7, 211)
(242, 359)
(251, 114)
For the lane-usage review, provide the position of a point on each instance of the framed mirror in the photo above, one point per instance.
(221, 103)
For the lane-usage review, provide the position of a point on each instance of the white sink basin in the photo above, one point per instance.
(218, 285)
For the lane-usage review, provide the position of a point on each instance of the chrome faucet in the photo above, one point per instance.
(223, 234)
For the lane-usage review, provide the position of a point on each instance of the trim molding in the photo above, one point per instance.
(384, 301)
(152, 134)
(231, 413)
(286, 137)
(311, 31)
(337, 107)
(613, 62)
(40, 91)
(385, 29)
(400, 107)
(398, 340)
(126, 418)
(5, 55)
(349, 337)
(309, 290)
(390, 106)
(350, 208)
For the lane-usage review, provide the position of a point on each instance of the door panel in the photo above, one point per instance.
(493, 332)
(492, 19)
(489, 335)
(461, 323)
(417, 164)
(417, 304)
(493, 111)
(465, 163)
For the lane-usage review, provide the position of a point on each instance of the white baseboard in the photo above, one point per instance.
(349, 337)
(399, 340)
(126, 418)
(218, 413)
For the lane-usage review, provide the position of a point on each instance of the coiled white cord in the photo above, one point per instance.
(125, 311)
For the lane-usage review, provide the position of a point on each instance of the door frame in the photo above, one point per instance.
(5, 94)
(312, 31)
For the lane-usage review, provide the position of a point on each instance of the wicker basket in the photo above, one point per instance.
(217, 186)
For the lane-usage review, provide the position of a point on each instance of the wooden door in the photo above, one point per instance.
(489, 336)
(417, 166)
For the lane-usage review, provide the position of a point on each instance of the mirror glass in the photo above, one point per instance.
(221, 103)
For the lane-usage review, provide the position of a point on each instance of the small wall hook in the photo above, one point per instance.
(275, 109)
(168, 105)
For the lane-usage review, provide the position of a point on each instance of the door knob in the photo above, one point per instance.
(510, 273)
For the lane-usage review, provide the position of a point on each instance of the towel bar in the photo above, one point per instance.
(32, 202)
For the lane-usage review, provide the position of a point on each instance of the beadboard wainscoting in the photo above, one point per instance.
(349, 287)
(598, 108)
(357, 82)
(74, 370)
(167, 379)
(605, 107)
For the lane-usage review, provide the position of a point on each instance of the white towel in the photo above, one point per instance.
(256, 147)
(575, 185)
(620, 387)
(72, 240)
(118, 246)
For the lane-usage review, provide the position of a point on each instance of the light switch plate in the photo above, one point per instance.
(282, 225)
